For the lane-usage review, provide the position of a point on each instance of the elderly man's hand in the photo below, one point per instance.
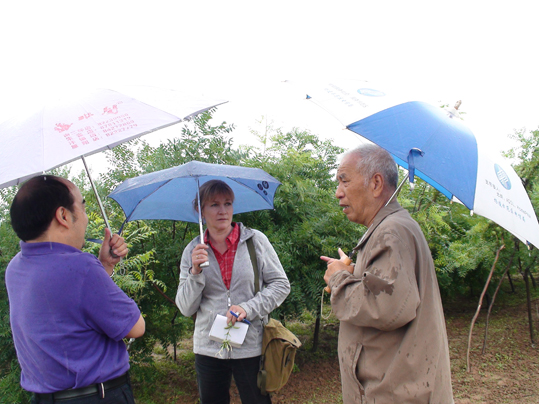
(117, 245)
(334, 265)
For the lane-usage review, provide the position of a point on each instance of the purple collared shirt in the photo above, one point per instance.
(68, 318)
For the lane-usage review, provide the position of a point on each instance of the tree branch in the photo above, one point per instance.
(479, 306)
(164, 294)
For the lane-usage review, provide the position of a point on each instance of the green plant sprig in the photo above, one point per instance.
(225, 345)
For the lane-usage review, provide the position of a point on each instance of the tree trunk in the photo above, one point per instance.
(506, 272)
(529, 304)
(533, 279)
(493, 299)
(316, 336)
(525, 272)
(174, 335)
(479, 306)
(511, 282)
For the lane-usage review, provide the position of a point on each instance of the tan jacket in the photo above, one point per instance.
(392, 340)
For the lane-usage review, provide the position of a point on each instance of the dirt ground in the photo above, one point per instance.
(508, 370)
(506, 373)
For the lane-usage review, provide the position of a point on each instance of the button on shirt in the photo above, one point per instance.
(226, 260)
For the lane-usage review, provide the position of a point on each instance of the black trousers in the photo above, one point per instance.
(214, 377)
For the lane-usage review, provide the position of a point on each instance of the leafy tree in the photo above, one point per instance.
(306, 222)
(9, 366)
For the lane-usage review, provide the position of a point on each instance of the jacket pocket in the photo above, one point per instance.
(354, 384)
(204, 321)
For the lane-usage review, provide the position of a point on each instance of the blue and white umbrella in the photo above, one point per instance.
(434, 145)
(168, 194)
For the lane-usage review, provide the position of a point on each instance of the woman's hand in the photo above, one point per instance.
(199, 256)
(236, 309)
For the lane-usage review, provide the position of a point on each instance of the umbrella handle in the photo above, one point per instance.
(112, 254)
(346, 261)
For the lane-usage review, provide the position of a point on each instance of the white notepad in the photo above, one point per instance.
(237, 332)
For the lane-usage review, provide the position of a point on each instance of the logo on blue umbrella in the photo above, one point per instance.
(502, 177)
(263, 186)
(370, 92)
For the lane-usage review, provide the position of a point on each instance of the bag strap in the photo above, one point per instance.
(261, 375)
(252, 254)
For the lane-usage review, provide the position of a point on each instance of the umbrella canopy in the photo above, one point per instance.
(434, 145)
(76, 127)
(168, 194)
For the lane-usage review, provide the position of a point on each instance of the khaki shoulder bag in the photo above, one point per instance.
(279, 346)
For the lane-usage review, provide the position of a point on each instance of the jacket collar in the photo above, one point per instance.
(387, 210)
(245, 232)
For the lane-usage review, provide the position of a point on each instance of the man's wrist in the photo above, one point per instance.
(109, 269)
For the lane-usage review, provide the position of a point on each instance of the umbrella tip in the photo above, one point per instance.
(454, 112)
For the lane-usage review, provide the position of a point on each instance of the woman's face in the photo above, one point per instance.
(218, 212)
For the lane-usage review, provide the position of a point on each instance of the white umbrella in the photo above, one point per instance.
(73, 128)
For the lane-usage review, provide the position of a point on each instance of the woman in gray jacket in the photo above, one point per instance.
(227, 285)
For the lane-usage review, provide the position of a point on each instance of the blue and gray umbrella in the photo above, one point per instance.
(168, 194)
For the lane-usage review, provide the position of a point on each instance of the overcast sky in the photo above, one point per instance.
(481, 52)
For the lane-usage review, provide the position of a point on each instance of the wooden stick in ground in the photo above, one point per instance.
(490, 308)
(479, 306)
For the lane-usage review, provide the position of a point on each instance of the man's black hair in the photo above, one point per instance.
(35, 205)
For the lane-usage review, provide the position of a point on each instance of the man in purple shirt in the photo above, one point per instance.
(67, 315)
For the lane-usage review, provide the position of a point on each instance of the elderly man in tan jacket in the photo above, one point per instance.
(392, 339)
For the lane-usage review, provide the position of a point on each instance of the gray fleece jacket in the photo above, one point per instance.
(206, 294)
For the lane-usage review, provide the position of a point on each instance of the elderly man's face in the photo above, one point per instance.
(354, 196)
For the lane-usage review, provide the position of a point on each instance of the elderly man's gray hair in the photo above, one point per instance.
(373, 159)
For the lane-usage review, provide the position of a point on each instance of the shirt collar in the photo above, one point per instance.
(45, 248)
(231, 238)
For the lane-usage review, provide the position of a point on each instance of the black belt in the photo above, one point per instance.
(98, 389)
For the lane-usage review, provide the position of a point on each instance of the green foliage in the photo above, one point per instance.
(9, 367)
(306, 222)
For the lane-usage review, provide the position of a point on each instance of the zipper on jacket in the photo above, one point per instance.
(228, 354)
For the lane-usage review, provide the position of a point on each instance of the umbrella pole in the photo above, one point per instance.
(204, 264)
(97, 195)
(100, 205)
(394, 196)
